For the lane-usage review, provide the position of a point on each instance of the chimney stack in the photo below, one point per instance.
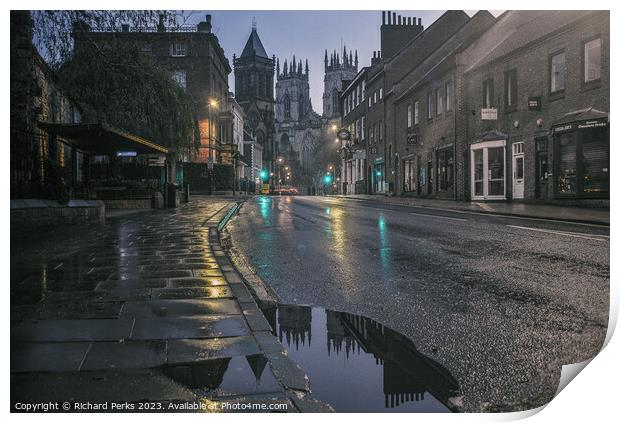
(160, 26)
(206, 25)
(383, 18)
(125, 27)
(399, 20)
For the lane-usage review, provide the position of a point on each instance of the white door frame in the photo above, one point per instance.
(484, 146)
(518, 152)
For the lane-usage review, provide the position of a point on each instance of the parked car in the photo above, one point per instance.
(285, 190)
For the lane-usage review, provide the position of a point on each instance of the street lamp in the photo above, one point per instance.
(211, 102)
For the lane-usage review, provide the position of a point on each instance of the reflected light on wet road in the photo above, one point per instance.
(384, 248)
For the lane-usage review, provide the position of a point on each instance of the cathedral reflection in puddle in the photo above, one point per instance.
(358, 365)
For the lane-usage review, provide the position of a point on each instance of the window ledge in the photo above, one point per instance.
(559, 95)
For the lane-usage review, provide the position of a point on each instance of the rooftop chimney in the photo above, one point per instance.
(160, 25)
(125, 27)
(206, 25)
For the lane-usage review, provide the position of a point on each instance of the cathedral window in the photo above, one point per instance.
(287, 107)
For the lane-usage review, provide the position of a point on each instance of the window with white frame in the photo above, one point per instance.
(429, 105)
(363, 128)
(374, 100)
(369, 101)
(557, 74)
(592, 60)
(449, 96)
(416, 113)
(439, 100)
(178, 50)
(381, 93)
(409, 116)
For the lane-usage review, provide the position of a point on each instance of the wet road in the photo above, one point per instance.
(500, 302)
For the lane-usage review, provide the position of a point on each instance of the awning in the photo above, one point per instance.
(580, 119)
(492, 135)
(589, 114)
(101, 139)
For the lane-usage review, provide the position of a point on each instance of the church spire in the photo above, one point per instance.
(307, 69)
(356, 59)
(344, 55)
(285, 67)
(326, 60)
(278, 68)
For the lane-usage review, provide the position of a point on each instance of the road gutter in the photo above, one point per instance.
(288, 373)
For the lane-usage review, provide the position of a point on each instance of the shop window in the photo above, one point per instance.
(557, 76)
(478, 172)
(510, 90)
(582, 168)
(496, 170)
(409, 175)
(592, 60)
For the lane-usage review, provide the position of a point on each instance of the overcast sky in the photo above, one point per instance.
(306, 34)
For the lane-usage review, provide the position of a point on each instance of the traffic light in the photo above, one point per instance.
(327, 179)
(263, 174)
(378, 172)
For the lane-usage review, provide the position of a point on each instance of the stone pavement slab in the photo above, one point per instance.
(72, 330)
(189, 327)
(47, 356)
(185, 307)
(191, 350)
(125, 355)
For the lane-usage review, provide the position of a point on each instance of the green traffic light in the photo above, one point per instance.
(263, 174)
(327, 179)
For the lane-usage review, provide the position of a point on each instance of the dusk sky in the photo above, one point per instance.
(306, 34)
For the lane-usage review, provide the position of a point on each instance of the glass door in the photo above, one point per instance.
(488, 170)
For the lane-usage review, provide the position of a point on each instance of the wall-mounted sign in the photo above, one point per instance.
(488, 114)
(343, 134)
(533, 104)
(373, 150)
(412, 139)
(126, 154)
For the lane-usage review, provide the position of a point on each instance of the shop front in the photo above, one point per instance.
(378, 176)
(488, 167)
(581, 155)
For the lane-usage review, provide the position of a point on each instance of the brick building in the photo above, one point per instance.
(427, 113)
(537, 91)
(196, 61)
(353, 152)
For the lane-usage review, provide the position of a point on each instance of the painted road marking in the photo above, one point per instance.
(573, 234)
(440, 217)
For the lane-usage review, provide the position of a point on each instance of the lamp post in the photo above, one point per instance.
(211, 102)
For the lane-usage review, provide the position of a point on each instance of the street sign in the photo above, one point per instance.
(344, 134)
(488, 114)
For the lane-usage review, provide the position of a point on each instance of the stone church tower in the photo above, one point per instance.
(254, 71)
(298, 127)
(341, 66)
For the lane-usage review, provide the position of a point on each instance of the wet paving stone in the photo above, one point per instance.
(131, 284)
(195, 282)
(72, 330)
(98, 386)
(68, 310)
(188, 327)
(100, 296)
(125, 355)
(186, 307)
(200, 292)
(192, 350)
(207, 273)
(47, 356)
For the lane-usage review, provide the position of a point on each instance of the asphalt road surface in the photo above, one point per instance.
(501, 302)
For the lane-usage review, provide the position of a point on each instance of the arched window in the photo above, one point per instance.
(287, 106)
(284, 143)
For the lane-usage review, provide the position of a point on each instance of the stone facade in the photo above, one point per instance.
(254, 91)
(196, 61)
(298, 126)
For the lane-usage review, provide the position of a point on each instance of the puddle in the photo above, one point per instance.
(240, 375)
(358, 365)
